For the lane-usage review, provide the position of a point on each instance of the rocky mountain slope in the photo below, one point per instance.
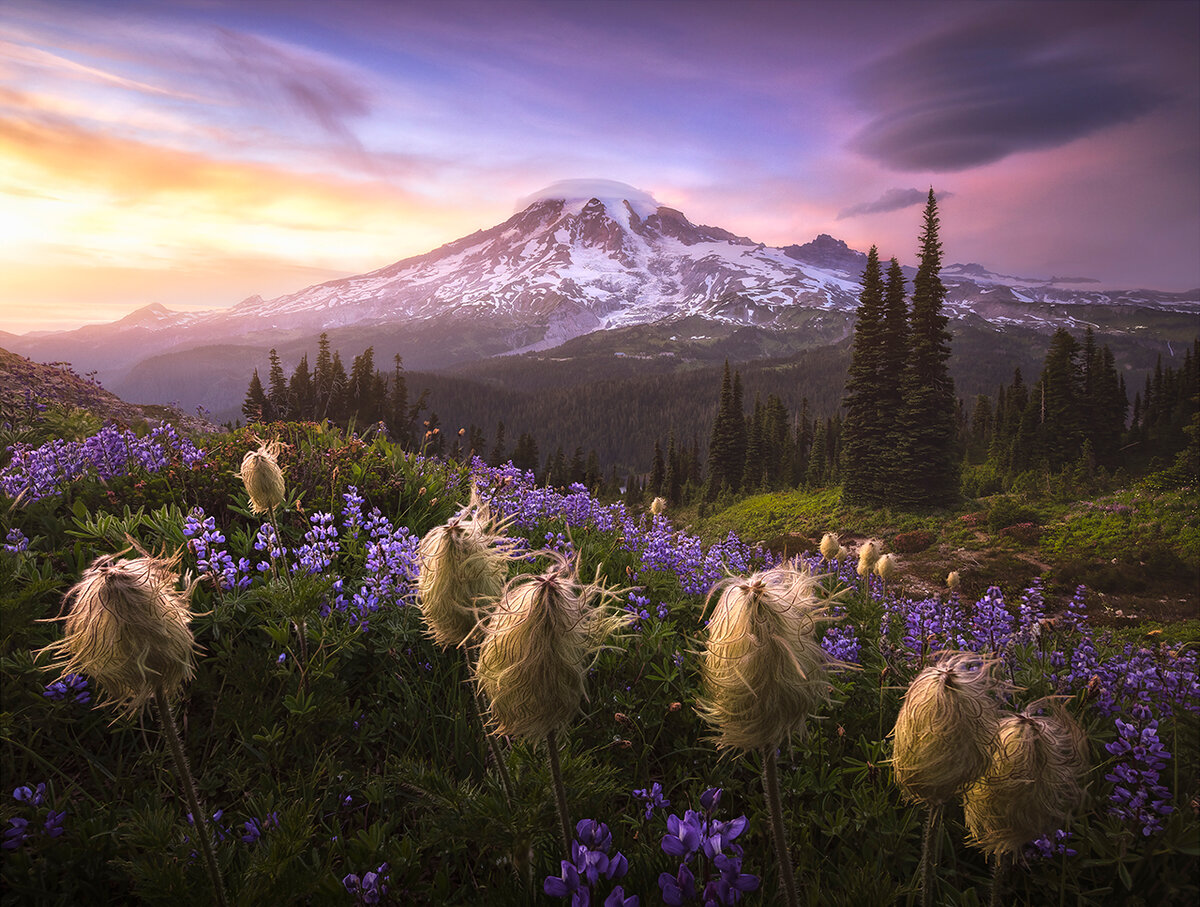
(581, 259)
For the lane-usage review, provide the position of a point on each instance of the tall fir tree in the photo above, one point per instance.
(256, 407)
(862, 447)
(725, 462)
(277, 389)
(928, 474)
(300, 390)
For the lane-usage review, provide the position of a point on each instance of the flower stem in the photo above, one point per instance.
(560, 792)
(999, 872)
(175, 741)
(493, 748)
(787, 878)
(933, 823)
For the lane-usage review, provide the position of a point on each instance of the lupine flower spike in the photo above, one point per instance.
(537, 646)
(943, 738)
(128, 629)
(764, 674)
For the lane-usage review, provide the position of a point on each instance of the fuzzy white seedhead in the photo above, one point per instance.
(764, 671)
(831, 546)
(128, 629)
(463, 567)
(885, 567)
(262, 477)
(942, 741)
(1033, 783)
(658, 506)
(868, 554)
(537, 645)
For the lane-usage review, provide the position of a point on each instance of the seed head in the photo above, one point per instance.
(945, 729)
(885, 567)
(463, 565)
(831, 546)
(127, 629)
(953, 580)
(1033, 783)
(658, 506)
(262, 477)
(868, 554)
(537, 645)
(764, 671)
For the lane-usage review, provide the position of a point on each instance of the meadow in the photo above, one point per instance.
(341, 754)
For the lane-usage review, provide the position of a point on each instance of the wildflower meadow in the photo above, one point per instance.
(591, 706)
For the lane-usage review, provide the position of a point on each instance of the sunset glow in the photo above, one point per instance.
(196, 153)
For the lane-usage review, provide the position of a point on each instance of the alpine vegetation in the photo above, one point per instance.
(537, 647)
(128, 629)
(263, 478)
(764, 675)
(1032, 785)
(464, 564)
(943, 739)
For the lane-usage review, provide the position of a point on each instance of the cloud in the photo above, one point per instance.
(891, 200)
(989, 88)
(279, 76)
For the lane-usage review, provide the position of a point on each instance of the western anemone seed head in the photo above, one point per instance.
(831, 546)
(463, 565)
(885, 567)
(128, 630)
(658, 505)
(262, 477)
(537, 646)
(1033, 782)
(764, 671)
(944, 733)
(868, 554)
(953, 580)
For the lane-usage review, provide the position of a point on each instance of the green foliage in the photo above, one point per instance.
(352, 749)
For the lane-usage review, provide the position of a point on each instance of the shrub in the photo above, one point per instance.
(1023, 534)
(1009, 512)
(912, 542)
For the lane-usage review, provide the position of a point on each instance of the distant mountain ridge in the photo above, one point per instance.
(579, 258)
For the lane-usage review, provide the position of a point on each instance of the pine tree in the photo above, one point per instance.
(658, 472)
(277, 389)
(323, 379)
(256, 407)
(300, 391)
(497, 456)
(892, 365)
(864, 430)
(929, 470)
(723, 453)
(398, 421)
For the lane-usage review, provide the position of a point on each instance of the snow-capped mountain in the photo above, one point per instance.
(576, 258)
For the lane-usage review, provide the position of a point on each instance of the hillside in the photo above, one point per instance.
(24, 383)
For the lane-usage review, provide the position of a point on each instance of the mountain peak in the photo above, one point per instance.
(610, 192)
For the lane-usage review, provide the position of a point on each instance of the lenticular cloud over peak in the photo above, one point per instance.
(582, 190)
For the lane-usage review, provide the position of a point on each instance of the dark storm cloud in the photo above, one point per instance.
(891, 200)
(981, 91)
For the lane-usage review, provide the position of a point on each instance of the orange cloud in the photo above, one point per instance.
(82, 213)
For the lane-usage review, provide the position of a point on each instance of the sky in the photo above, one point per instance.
(196, 152)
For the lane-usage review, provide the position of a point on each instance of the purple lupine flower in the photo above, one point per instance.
(16, 833)
(654, 798)
(15, 541)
